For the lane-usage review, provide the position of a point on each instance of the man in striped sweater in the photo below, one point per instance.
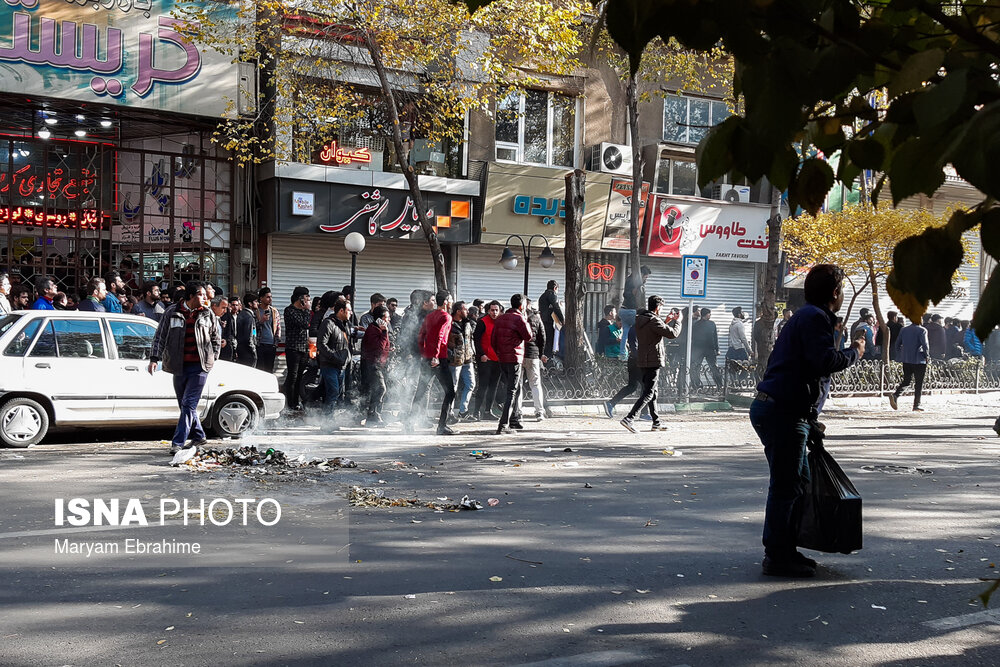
(188, 341)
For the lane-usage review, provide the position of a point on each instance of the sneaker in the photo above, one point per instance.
(503, 430)
(195, 443)
(786, 568)
(539, 417)
(646, 417)
(470, 417)
(609, 409)
(517, 426)
(893, 401)
(657, 426)
(174, 449)
(452, 419)
(627, 423)
(916, 409)
(444, 430)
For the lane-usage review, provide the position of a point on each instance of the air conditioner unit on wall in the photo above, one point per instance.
(611, 158)
(731, 193)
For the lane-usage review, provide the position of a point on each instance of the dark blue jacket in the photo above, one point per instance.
(804, 357)
(41, 303)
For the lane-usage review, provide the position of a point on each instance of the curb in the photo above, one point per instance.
(590, 409)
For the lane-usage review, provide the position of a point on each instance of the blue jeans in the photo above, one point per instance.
(784, 437)
(187, 387)
(333, 380)
(627, 316)
(467, 378)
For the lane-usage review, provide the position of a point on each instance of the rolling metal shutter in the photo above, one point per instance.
(730, 284)
(394, 268)
(480, 275)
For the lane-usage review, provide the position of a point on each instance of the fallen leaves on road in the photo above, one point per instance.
(251, 457)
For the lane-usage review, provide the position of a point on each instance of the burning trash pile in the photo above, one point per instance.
(365, 497)
(251, 457)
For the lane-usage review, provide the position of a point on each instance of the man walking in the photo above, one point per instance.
(374, 356)
(532, 366)
(510, 333)
(633, 298)
(245, 323)
(489, 363)
(297, 316)
(462, 350)
(913, 350)
(789, 400)
(650, 331)
(268, 329)
(433, 341)
(704, 347)
(333, 348)
(551, 314)
(188, 341)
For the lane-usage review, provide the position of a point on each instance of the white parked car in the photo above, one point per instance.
(84, 369)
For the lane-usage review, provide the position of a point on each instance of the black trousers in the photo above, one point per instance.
(633, 383)
(442, 373)
(648, 395)
(373, 378)
(247, 355)
(709, 356)
(511, 374)
(486, 391)
(550, 337)
(265, 357)
(226, 353)
(916, 372)
(295, 366)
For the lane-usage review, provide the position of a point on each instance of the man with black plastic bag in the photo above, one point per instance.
(788, 402)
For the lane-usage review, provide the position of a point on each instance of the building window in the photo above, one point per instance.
(686, 120)
(537, 127)
(677, 177)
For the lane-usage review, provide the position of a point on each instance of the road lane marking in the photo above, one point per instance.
(953, 622)
(598, 659)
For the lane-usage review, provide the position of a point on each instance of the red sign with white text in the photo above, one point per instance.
(720, 231)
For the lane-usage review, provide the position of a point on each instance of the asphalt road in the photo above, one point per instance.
(626, 550)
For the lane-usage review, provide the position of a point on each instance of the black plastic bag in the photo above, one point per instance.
(830, 518)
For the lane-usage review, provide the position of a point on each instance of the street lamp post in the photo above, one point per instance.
(354, 243)
(509, 260)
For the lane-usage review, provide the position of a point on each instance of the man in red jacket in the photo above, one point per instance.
(488, 365)
(510, 333)
(433, 341)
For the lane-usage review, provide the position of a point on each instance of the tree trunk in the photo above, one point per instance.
(632, 97)
(850, 304)
(403, 162)
(769, 291)
(572, 340)
(878, 313)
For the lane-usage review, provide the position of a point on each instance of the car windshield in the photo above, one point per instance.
(7, 321)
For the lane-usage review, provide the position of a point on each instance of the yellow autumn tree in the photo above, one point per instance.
(405, 70)
(860, 239)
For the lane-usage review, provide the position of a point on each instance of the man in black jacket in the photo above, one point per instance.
(246, 332)
(333, 350)
(551, 314)
(534, 359)
(650, 331)
(704, 347)
(297, 317)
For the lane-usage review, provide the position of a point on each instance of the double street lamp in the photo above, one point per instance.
(509, 260)
(354, 243)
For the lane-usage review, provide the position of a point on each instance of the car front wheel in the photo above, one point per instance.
(23, 422)
(234, 415)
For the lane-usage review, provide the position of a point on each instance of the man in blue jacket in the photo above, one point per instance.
(788, 401)
(914, 351)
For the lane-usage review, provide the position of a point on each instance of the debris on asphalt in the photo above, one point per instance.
(480, 454)
(494, 578)
(568, 449)
(249, 456)
(367, 497)
(493, 502)
(671, 452)
(877, 606)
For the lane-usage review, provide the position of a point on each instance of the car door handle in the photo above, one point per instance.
(42, 365)
(132, 368)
